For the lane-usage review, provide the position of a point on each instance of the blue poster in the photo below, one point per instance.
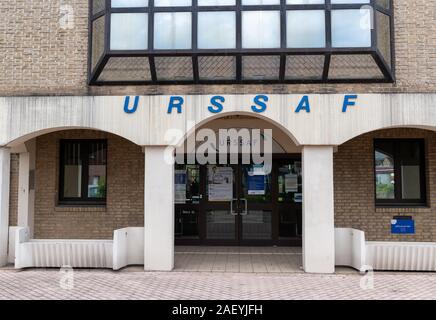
(256, 185)
(403, 226)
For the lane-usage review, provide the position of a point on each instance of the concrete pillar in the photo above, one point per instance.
(5, 171)
(26, 192)
(318, 210)
(159, 209)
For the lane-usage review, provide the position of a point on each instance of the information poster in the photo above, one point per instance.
(220, 182)
(256, 185)
(180, 179)
(291, 183)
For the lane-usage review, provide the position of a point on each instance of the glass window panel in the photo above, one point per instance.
(261, 29)
(256, 184)
(351, 28)
(216, 30)
(260, 67)
(305, 1)
(172, 3)
(259, 2)
(97, 40)
(220, 224)
(187, 184)
(126, 69)
(290, 182)
(305, 67)
(305, 28)
(173, 68)
(384, 36)
(72, 184)
(129, 3)
(354, 67)
(129, 31)
(217, 68)
(383, 3)
(384, 171)
(290, 222)
(98, 6)
(216, 2)
(410, 157)
(257, 225)
(97, 170)
(172, 30)
(186, 224)
(349, 1)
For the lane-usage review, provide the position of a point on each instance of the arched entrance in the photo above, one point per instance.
(235, 200)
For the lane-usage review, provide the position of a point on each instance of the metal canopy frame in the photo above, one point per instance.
(239, 52)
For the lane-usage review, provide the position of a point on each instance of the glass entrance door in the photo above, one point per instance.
(239, 204)
(220, 206)
(255, 199)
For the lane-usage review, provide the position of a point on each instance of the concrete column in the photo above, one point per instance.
(159, 209)
(26, 192)
(5, 171)
(318, 210)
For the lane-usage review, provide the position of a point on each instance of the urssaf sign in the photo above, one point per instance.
(217, 104)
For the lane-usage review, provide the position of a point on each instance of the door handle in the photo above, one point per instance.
(233, 213)
(245, 212)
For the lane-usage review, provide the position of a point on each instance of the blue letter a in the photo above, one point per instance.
(303, 105)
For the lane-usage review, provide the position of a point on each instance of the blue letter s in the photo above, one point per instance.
(216, 104)
(260, 103)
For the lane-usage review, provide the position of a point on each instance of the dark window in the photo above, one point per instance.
(399, 172)
(83, 172)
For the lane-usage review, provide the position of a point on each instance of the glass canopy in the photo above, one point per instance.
(240, 41)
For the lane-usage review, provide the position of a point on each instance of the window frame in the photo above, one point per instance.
(399, 201)
(388, 71)
(84, 199)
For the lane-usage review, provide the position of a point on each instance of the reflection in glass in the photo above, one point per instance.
(261, 29)
(72, 171)
(172, 30)
(351, 28)
(220, 224)
(305, 29)
(256, 225)
(216, 30)
(97, 171)
(129, 31)
(410, 155)
(129, 3)
(187, 184)
(385, 175)
(290, 183)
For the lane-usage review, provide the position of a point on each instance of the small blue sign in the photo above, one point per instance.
(256, 185)
(403, 226)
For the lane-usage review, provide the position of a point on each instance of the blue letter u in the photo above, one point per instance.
(127, 109)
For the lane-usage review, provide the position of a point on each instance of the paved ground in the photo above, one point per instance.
(238, 259)
(131, 284)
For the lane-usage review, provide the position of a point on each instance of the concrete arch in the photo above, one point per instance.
(204, 122)
(418, 127)
(34, 134)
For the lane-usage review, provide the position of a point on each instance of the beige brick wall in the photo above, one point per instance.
(125, 185)
(13, 191)
(354, 189)
(39, 58)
